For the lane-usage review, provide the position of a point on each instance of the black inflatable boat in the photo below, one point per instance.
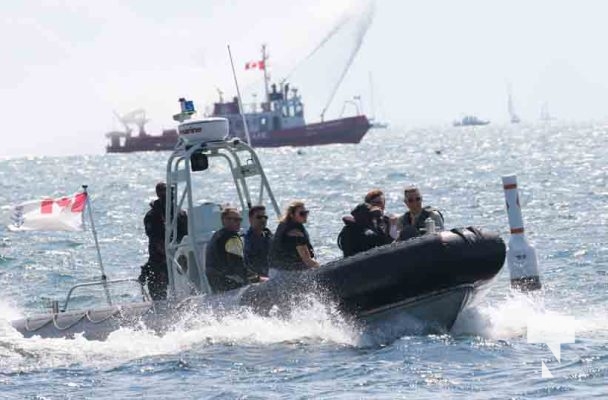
(429, 280)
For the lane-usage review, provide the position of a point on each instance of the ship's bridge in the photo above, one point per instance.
(282, 110)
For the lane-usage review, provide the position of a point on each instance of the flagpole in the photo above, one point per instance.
(238, 93)
(103, 273)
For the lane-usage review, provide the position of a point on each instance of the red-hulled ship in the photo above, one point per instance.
(279, 121)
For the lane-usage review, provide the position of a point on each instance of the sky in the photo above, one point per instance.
(68, 65)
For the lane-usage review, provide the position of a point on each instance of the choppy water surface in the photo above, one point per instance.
(564, 191)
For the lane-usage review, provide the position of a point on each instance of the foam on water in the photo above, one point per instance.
(311, 323)
(508, 318)
(8, 310)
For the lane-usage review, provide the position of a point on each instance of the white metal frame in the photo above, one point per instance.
(244, 164)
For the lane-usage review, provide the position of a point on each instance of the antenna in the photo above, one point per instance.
(266, 76)
(238, 93)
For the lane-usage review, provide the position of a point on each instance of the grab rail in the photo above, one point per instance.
(145, 295)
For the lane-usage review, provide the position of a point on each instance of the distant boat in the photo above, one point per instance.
(377, 124)
(470, 120)
(514, 117)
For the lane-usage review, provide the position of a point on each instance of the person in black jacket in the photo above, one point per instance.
(225, 267)
(257, 240)
(155, 270)
(291, 249)
(363, 231)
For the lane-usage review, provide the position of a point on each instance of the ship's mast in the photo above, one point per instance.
(266, 77)
(371, 95)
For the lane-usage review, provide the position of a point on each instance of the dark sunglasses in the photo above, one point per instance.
(377, 200)
(261, 217)
(413, 199)
(303, 213)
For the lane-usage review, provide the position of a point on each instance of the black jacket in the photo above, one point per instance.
(154, 223)
(257, 249)
(283, 252)
(355, 238)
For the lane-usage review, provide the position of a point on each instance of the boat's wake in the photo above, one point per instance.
(509, 318)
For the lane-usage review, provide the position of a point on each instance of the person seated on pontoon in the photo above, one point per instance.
(413, 222)
(225, 266)
(291, 250)
(155, 270)
(362, 231)
(257, 240)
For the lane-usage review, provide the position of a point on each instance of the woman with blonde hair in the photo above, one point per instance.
(291, 249)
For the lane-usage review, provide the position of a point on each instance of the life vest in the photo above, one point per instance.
(409, 229)
(283, 253)
(225, 270)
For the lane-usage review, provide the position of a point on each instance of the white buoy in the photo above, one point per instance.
(521, 256)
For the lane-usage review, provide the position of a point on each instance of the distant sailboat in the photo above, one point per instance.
(544, 113)
(514, 117)
(375, 124)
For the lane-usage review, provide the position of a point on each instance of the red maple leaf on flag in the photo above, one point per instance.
(255, 65)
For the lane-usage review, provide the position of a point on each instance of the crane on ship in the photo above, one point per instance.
(136, 117)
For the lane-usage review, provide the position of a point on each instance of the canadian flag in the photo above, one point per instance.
(61, 214)
(255, 65)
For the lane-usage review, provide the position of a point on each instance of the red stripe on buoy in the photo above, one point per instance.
(510, 186)
(517, 230)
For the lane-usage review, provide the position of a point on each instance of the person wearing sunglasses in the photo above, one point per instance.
(363, 231)
(291, 249)
(257, 241)
(224, 264)
(413, 222)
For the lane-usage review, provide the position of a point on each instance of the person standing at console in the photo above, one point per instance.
(291, 249)
(155, 270)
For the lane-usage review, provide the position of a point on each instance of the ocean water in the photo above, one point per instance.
(563, 182)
